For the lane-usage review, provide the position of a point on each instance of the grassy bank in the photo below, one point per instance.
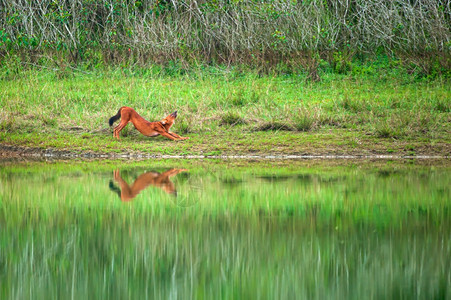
(226, 111)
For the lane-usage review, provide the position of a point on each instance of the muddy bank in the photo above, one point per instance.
(9, 151)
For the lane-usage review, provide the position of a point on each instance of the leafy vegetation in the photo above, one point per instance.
(281, 36)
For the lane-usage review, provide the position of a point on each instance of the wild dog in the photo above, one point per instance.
(128, 114)
(160, 180)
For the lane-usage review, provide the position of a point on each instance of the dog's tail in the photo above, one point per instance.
(115, 188)
(115, 118)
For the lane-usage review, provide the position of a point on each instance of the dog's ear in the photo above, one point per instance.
(164, 122)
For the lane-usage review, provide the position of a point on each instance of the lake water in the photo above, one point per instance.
(215, 229)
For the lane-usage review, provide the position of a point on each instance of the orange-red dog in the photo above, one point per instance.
(128, 114)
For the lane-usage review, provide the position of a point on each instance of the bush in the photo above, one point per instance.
(304, 120)
(264, 34)
(273, 125)
(231, 119)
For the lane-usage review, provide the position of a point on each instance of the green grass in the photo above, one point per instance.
(223, 111)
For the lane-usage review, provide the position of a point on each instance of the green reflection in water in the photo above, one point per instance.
(204, 229)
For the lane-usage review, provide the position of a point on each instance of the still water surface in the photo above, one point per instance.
(228, 230)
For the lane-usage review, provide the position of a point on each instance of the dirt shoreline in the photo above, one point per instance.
(10, 151)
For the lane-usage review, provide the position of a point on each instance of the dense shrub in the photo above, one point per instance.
(264, 33)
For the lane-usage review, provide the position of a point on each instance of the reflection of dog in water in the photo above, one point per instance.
(161, 180)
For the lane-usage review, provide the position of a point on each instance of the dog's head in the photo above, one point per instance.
(169, 120)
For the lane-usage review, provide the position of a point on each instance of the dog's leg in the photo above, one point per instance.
(119, 127)
(177, 136)
(116, 132)
(169, 136)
